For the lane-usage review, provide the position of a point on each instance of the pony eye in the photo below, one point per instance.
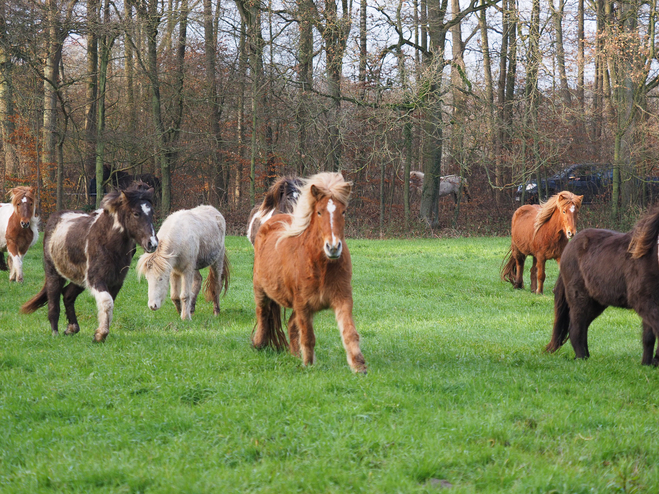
(564, 211)
(136, 214)
(318, 213)
(343, 213)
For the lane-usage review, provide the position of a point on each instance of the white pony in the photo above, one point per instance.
(189, 240)
(448, 184)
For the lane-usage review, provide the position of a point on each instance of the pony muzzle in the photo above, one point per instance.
(570, 233)
(151, 245)
(333, 251)
(25, 224)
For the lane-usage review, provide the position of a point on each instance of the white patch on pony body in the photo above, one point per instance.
(267, 216)
(251, 223)
(146, 208)
(115, 224)
(572, 208)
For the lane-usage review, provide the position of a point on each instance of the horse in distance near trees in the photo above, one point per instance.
(188, 240)
(541, 231)
(448, 185)
(19, 230)
(602, 268)
(281, 197)
(93, 251)
(301, 261)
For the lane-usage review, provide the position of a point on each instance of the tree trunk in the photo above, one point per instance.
(9, 154)
(51, 85)
(558, 14)
(305, 78)
(91, 89)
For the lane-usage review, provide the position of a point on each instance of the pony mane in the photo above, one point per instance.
(644, 234)
(157, 262)
(330, 184)
(548, 207)
(279, 192)
(137, 192)
(18, 193)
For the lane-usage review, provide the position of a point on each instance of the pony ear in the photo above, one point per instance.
(316, 192)
(579, 199)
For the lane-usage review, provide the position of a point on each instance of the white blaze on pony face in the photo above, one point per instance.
(333, 245)
(24, 199)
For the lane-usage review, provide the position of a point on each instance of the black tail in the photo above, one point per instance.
(561, 318)
(273, 334)
(509, 267)
(36, 302)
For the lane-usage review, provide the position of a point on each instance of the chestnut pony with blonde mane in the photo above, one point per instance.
(301, 262)
(19, 230)
(603, 268)
(541, 231)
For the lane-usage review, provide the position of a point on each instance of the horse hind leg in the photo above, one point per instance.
(69, 295)
(519, 273)
(54, 287)
(196, 287)
(582, 312)
(534, 275)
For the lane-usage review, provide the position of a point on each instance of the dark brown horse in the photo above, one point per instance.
(602, 268)
(541, 231)
(19, 230)
(93, 251)
(280, 198)
(301, 261)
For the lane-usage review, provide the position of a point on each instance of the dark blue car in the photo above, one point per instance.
(589, 180)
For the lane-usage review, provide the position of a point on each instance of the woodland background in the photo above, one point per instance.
(217, 98)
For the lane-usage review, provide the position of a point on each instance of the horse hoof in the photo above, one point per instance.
(55, 332)
(72, 329)
(99, 337)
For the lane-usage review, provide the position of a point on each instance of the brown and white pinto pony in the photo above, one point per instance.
(280, 198)
(302, 262)
(19, 230)
(541, 231)
(188, 240)
(602, 268)
(93, 251)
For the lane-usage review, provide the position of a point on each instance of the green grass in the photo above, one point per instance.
(458, 389)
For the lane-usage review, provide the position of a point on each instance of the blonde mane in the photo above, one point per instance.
(329, 184)
(547, 208)
(156, 262)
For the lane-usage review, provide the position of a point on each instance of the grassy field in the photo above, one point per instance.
(459, 393)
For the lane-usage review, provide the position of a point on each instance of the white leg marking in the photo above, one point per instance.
(105, 306)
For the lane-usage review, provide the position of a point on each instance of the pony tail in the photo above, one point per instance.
(561, 318)
(509, 267)
(273, 335)
(36, 302)
(644, 236)
(210, 291)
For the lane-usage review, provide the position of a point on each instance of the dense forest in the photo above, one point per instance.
(212, 100)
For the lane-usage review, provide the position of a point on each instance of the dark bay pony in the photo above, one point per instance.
(301, 262)
(93, 251)
(19, 230)
(541, 231)
(280, 198)
(602, 268)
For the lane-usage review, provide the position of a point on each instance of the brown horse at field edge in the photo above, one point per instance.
(541, 231)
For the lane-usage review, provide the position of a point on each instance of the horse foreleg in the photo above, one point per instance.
(69, 295)
(307, 337)
(196, 286)
(534, 275)
(175, 290)
(105, 306)
(294, 335)
(187, 282)
(54, 287)
(649, 339)
(15, 262)
(349, 336)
